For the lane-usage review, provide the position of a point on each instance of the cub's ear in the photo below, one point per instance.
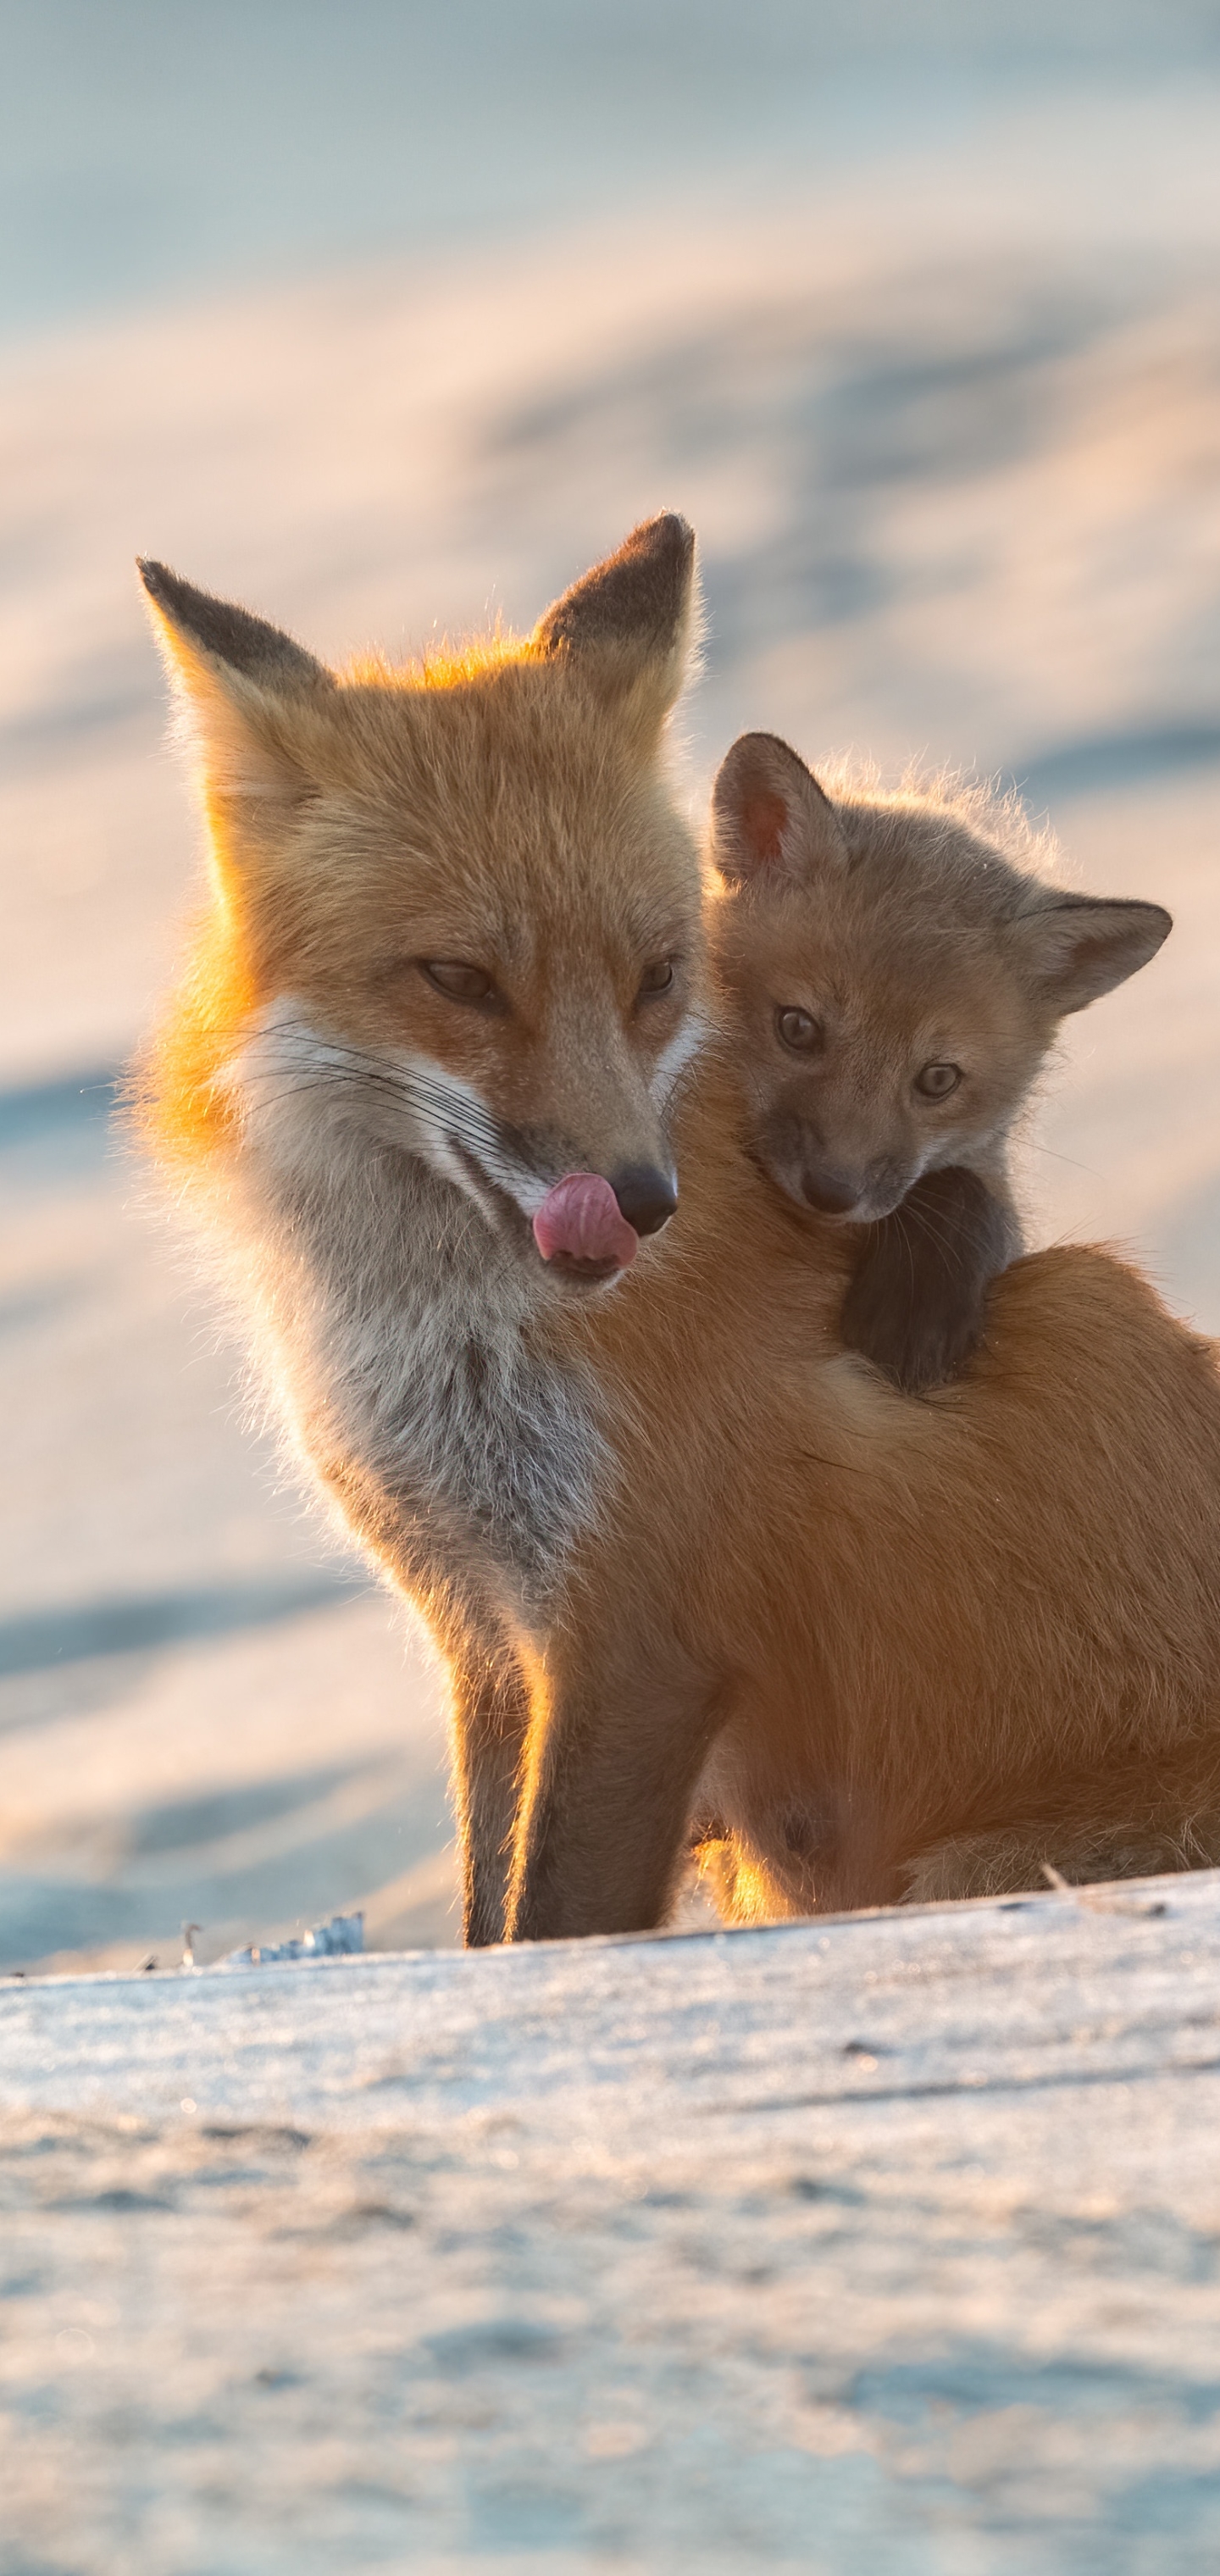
(769, 815)
(627, 625)
(248, 692)
(1079, 946)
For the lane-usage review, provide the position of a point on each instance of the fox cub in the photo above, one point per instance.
(897, 983)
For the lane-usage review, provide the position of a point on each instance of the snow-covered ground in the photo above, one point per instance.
(949, 430)
(884, 2245)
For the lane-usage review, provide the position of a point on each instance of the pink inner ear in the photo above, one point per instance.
(764, 817)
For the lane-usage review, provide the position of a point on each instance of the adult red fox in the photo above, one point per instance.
(444, 1046)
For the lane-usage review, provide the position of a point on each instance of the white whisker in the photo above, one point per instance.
(441, 1117)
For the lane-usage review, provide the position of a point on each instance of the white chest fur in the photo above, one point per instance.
(403, 1331)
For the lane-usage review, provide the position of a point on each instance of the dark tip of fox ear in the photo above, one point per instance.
(231, 635)
(639, 597)
(769, 812)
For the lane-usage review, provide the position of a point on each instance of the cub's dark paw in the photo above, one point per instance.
(919, 1348)
(916, 1305)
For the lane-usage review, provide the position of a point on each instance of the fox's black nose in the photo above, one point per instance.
(831, 1193)
(646, 1197)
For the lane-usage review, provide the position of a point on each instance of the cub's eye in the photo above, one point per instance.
(458, 982)
(657, 979)
(799, 1030)
(937, 1080)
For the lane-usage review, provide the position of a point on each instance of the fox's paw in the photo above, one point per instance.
(917, 1303)
(917, 1350)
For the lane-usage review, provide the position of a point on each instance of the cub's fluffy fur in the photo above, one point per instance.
(897, 976)
(692, 1565)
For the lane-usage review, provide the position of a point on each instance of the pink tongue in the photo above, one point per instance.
(582, 1217)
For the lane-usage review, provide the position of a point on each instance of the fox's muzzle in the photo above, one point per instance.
(591, 1228)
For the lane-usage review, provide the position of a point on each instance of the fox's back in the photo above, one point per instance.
(1010, 1570)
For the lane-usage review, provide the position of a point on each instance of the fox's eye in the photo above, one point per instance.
(657, 979)
(459, 983)
(937, 1080)
(799, 1030)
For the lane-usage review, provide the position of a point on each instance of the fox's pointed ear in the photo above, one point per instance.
(769, 815)
(247, 691)
(627, 624)
(1078, 946)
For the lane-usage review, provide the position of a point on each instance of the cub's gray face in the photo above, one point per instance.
(848, 1112)
(895, 981)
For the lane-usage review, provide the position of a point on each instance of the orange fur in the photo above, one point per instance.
(988, 1618)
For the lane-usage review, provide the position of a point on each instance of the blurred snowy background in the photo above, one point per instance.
(387, 319)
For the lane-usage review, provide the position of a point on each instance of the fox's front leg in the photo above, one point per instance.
(490, 1716)
(915, 1305)
(613, 1759)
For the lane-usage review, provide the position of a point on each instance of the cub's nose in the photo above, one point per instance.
(831, 1193)
(646, 1197)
